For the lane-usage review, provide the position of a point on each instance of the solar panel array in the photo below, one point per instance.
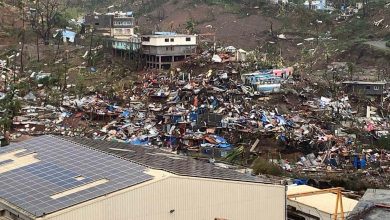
(31, 187)
(158, 159)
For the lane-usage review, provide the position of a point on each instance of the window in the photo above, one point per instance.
(97, 24)
(166, 40)
(166, 48)
(188, 39)
(376, 87)
(146, 39)
(172, 40)
(368, 87)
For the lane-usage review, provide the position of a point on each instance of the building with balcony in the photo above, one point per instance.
(162, 50)
(122, 25)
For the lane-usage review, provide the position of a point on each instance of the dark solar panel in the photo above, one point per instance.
(31, 187)
(158, 159)
(5, 162)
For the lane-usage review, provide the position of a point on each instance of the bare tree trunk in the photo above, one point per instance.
(90, 49)
(37, 47)
(23, 42)
(37, 2)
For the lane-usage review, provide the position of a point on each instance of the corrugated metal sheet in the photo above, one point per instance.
(178, 198)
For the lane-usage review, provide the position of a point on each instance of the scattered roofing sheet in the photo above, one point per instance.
(161, 160)
(61, 174)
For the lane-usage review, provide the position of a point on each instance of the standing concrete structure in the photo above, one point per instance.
(163, 49)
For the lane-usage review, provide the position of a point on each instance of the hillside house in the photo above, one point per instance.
(366, 88)
(164, 49)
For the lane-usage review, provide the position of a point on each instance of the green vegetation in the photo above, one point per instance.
(388, 43)
(262, 166)
(10, 106)
(190, 26)
(384, 142)
(237, 154)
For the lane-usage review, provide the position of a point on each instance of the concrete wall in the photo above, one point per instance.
(310, 211)
(177, 40)
(99, 21)
(178, 198)
(122, 32)
(123, 22)
(368, 89)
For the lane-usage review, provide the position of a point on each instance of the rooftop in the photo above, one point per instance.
(46, 174)
(367, 207)
(161, 160)
(365, 82)
(323, 202)
(167, 34)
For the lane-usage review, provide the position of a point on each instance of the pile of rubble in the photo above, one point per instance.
(210, 113)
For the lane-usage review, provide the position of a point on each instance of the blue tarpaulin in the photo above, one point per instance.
(363, 163)
(264, 118)
(67, 35)
(139, 142)
(171, 140)
(176, 118)
(222, 143)
(283, 137)
(193, 116)
(281, 119)
(110, 108)
(300, 181)
(356, 162)
(125, 114)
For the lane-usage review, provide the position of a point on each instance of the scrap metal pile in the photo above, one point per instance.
(213, 113)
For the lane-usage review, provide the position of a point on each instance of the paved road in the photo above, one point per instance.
(379, 44)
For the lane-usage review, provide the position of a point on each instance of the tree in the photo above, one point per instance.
(11, 107)
(45, 17)
(22, 34)
(190, 26)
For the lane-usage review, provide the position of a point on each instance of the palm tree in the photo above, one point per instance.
(190, 26)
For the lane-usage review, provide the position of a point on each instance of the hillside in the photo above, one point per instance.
(9, 24)
(248, 24)
(231, 27)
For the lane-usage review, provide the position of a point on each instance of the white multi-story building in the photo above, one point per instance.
(163, 49)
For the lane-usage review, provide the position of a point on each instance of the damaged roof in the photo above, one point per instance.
(162, 160)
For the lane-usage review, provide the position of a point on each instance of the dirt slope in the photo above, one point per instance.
(245, 31)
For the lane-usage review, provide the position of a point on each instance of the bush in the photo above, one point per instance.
(262, 166)
(388, 43)
(383, 142)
